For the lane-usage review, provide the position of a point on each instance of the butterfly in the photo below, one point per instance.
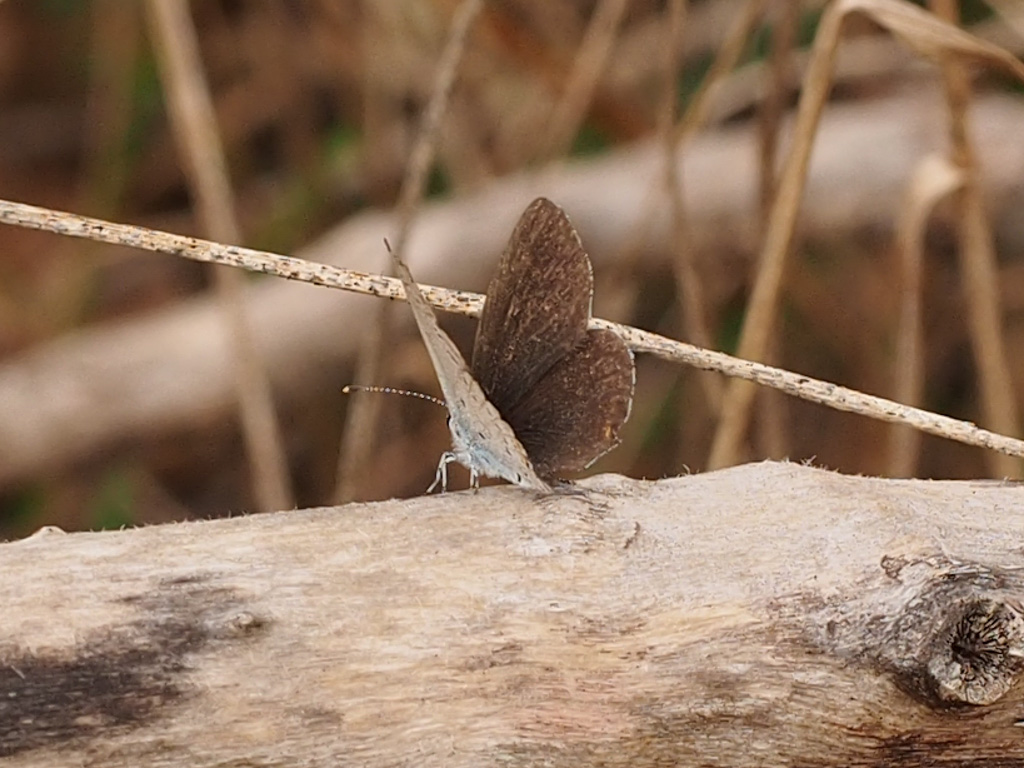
(544, 394)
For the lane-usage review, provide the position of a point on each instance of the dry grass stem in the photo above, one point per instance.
(696, 114)
(772, 436)
(726, 58)
(1012, 12)
(688, 281)
(825, 393)
(860, 61)
(777, 80)
(923, 32)
(978, 263)
(760, 320)
(586, 71)
(194, 125)
(698, 111)
(693, 118)
(930, 35)
(934, 179)
(364, 412)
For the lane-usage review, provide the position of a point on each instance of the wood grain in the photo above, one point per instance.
(766, 615)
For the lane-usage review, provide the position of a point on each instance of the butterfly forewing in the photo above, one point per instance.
(537, 307)
(573, 414)
(481, 439)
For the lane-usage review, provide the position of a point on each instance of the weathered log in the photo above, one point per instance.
(766, 615)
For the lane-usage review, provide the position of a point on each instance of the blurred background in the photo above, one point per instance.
(115, 390)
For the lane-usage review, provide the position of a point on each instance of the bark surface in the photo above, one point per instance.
(766, 615)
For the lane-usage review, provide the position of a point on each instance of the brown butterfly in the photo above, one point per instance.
(544, 395)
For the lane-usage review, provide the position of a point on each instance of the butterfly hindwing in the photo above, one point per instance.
(573, 414)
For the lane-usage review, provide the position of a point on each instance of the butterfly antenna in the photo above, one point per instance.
(350, 388)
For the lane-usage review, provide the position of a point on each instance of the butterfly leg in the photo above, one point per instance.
(441, 476)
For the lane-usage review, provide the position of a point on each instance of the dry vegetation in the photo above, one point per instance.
(901, 277)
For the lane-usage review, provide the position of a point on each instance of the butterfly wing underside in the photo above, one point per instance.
(564, 390)
(537, 306)
(572, 416)
(481, 439)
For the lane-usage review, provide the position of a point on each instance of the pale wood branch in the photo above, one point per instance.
(771, 614)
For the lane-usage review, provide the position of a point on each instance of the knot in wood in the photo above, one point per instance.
(978, 652)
